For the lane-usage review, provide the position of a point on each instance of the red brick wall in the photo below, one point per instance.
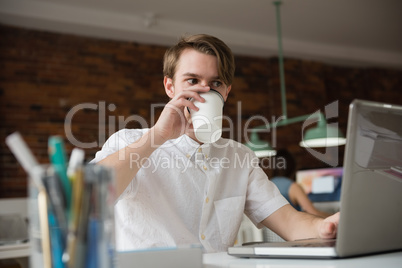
(44, 75)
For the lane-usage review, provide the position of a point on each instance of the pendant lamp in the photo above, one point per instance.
(324, 135)
(261, 148)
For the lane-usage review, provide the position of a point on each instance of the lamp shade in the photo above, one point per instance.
(261, 148)
(323, 135)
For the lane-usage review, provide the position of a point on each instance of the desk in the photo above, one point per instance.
(19, 252)
(222, 259)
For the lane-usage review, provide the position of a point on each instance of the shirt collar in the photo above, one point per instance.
(190, 147)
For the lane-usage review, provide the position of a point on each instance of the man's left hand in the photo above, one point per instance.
(329, 226)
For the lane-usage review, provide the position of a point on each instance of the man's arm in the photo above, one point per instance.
(171, 124)
(291, 224)
(121, 161)
(299, 197)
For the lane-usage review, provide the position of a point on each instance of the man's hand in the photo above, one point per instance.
(172, 122)
(294, 225)
(329, 226)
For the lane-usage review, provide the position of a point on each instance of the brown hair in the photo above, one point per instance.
(206, 44)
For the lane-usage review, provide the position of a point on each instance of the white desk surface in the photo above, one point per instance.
(14, 251)
(223, 260)
(220, 260)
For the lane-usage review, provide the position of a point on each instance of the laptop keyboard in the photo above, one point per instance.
(317, 244)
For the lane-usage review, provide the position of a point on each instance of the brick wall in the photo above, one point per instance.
(44, 76)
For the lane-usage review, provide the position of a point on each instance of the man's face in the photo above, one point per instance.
(196, 69)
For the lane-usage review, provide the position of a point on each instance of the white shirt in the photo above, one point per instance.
(187, 193)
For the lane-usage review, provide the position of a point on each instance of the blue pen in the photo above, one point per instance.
(92, 257)
(58, 159)
(55, 241)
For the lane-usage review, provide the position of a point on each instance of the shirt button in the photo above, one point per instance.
(205, 168)
(188, 156)
(199, 150)
(207, 200)
(203, 237)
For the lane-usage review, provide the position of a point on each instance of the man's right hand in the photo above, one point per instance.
(173, 121)
(171, 124)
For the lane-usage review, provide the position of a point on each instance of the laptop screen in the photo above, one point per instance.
(371, 186)
(379, 140)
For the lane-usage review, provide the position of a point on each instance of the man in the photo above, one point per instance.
(173, 190)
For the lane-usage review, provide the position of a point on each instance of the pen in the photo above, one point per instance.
(25, 157)
(74, 173)
(58, 159)
(78, 187)
(56, 241)
(54, 189)
(76, 160)
(80, 250)
(100, 253)
(44, 228)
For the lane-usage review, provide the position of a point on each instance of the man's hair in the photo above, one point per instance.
(206, 44)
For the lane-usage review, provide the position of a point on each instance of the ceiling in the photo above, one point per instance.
(345, 32)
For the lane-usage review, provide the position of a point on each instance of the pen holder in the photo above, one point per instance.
(80, 234)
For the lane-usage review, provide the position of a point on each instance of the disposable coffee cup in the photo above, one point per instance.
(207, 121)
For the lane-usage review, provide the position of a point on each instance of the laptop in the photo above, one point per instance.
(371, 194)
